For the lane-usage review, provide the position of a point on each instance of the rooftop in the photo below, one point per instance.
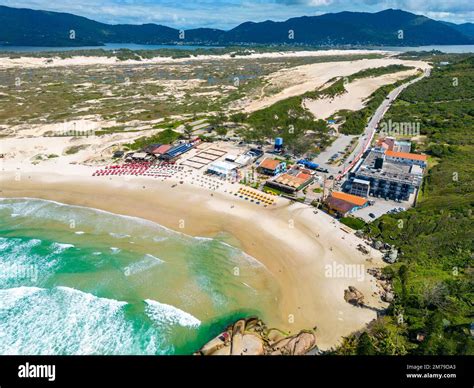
(391, 171)
(361, 181)
(269, 164)
(294, 181)
(340, 205)
(222, 167)
(349, 198)
(162, 149)
(406, 155)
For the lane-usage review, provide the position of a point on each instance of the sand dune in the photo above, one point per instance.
(301, 79)
(36, 62)
(354, 99)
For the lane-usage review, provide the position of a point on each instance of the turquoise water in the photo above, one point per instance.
(75, 280)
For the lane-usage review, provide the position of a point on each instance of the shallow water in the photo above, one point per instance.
(75, 280)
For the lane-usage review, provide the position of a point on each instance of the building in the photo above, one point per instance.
(150, 149)
(390, 144)
(292, 181)
(174, 152)
(139, 157)
(391, 175)
(360, 187)
(386, 143)
(255, 153)
(230, 158)
(244, 160)
(162, 149)
(341, 204)
(406, 158)
(222, 169)
(402, 146)
(272, 167)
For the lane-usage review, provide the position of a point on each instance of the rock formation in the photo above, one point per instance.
(353, 296)
(252, 337)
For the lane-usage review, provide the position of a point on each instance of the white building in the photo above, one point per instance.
(222, 168)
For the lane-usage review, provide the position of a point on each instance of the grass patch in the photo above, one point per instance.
(354, 223)
(75, 149)
(167, 136)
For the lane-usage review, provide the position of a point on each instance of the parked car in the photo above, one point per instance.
(371, 215)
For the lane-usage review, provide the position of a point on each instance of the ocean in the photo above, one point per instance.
(76, 281)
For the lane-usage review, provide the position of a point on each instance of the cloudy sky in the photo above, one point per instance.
(227, 14)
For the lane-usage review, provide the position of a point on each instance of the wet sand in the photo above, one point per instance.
(284, 238)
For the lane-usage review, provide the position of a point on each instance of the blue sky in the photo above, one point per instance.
(227, 14)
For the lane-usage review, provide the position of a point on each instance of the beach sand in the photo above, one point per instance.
(292, 242)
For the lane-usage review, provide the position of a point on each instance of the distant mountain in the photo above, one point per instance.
(466, 28)
(26, 27)
(354, 28)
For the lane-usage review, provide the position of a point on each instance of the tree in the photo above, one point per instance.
(188, 131)
(403, 275)
(365, 347)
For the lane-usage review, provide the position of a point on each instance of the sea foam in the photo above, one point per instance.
(165, 314)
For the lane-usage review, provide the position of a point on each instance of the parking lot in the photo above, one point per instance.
(338, 145)
(380, 208)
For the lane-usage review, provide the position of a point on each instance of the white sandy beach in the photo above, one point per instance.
(293, 243)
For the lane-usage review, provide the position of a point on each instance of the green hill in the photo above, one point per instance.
(42, 28)
(433, 280)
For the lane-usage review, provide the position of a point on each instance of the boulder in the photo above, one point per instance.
(237, 345)
(388, 297)
(392, 256)
(353, 296)
(297, 345)
(252, 337)
(378, 244)
(252, 345)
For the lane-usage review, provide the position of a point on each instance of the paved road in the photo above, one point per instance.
(369, 132)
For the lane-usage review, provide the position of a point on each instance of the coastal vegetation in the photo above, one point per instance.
(166, 136)
(352, 222)
(298, 127)
(291, 121)
(378, 71)
(354, 122)
(433, 280)
(75, 149)
(120, 94)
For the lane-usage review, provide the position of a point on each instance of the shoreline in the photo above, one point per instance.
(282, 238)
